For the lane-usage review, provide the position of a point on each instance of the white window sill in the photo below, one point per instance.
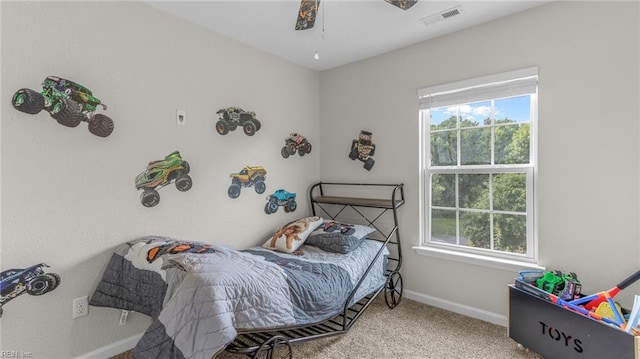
(476, 259)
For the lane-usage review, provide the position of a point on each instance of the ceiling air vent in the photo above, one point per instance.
(447, 14)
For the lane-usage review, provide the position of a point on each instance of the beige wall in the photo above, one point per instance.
(588, 140)
(68, 197)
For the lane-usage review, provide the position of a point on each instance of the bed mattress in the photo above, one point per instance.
(200, 299)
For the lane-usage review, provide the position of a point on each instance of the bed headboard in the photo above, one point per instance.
(374, 204)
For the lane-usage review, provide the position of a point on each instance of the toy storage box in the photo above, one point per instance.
(555, 332)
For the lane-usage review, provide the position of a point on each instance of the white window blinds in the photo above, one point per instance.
(507, 84)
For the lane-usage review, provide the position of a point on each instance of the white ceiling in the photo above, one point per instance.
(353, 29)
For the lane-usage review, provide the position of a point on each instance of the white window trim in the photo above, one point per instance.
(477, 259)
(475, 256)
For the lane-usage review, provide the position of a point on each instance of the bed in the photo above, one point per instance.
(205, 298)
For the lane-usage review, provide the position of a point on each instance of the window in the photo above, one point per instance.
(478, 165)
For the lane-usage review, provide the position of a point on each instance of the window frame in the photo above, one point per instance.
(427, 170)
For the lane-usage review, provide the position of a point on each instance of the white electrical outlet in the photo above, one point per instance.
(181, 117)
(80, 307)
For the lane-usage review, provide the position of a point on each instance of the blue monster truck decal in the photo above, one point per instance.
(32, 280)
(281, 198)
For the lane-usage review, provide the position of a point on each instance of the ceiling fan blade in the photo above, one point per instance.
(403, 4)
(307, 14)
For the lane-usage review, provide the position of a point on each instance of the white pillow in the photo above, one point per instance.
(293, 234)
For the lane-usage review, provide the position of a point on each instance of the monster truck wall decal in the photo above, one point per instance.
(295, 143)
(231, 117)
(67, 102)
(362, 149)
(32, 280)
(161, 173)
(280, 198)
(249, 176)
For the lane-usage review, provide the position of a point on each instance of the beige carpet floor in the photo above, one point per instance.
(411, 330)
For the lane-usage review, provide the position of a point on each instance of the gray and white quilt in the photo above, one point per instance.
(200, 295)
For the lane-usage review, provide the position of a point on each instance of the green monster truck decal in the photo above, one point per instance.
(67, 102)
(161, 173)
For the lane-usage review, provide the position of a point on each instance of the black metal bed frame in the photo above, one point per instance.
(276, 343)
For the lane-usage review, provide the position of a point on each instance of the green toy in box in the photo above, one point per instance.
(565, 286)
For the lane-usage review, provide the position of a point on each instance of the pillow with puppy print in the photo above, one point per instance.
(293, 234)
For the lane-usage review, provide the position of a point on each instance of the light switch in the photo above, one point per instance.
(181, 117)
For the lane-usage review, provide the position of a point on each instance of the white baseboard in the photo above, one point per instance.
(127, 344)
(113, 349)
(457, 308)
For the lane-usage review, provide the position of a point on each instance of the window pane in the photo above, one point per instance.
(512, 144)
(479, 172)
(475, 114)
(444, 148)
(475, 146)
(510, 233)
(475, 229)
(444, 118)
(443, 226)
(510, 192)
(474, 191)
(514, 109)
(443, 190)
